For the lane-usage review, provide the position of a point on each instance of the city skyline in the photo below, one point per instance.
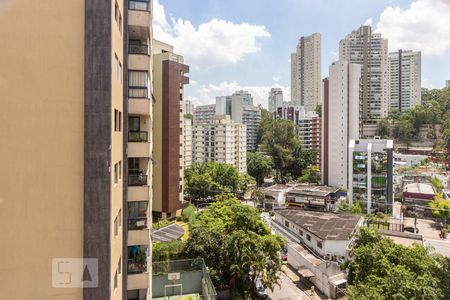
(258, 49)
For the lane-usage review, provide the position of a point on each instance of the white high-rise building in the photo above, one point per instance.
(220, 140)
(223, 105)
(243, 111)
(275, 99)
(204, 113)
(370, 50)
(187, 142)
(406, 79)
(188, 107)
(306, 64)
(447, 83)
(341, 120)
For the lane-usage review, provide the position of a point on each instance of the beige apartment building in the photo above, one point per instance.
(168, 80)
(74, 121)
(306, 78)
(220, 140)
(370, 50)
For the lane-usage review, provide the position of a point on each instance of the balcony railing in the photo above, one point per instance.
(137, 223)
(139, 5)
(138, 49)
(137, 92)
(137, 259)
(137, 180)
(138, 136)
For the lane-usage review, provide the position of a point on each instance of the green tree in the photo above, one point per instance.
(311, 175)
(280, 140)
(437, 184)
(404, 131)
(210, 179)
(236, 245)
(259, 166)
(167, 251)
(441, 208)
(381, 269)
(383, 128)
(318, 110)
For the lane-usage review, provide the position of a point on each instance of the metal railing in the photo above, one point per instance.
(137, 180)
(138, 49)
(139, 5)
(137, 223)
(137, 136)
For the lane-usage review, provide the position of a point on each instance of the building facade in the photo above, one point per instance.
(370, 174)
(204, 113)
(306, 64)
(188, 107)
(406, 79)
(341, 122)
(223, 105)
(187, 142)
(220, 140)
(243, 112)
(370, 50)
(447, 83)
(275, 99)
(169, 78)
(77, 122)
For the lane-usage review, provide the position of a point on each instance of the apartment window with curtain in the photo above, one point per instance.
(138, 84)
(138, 5)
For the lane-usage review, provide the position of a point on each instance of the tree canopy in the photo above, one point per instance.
(236, 245)
(209, 179)
(441, 208)
(381, 269)
(259, 166)
(279, 139)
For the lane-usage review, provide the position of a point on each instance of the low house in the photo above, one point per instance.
(276, 194)
(317, 242)
(416, 197)
(313, 197)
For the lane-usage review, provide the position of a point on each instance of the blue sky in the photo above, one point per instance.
(246, 44)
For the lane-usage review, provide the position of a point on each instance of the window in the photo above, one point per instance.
(118, 68)
(115, 280)
(116, 226)
(308, 237)
(119, 266)
(120, 22)
(319, 244)
(300, 232)
(137, 84)
(138, 4)
(120, 170)
(117, 120)
(286, 223)
(119, 217)
(116, 173)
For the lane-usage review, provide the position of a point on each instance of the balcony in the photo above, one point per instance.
(138, 92)
(137, 259)
(141, 5)
(138, 237)
(138, 49)
(138, 136)
(137, 180)
(141, 106)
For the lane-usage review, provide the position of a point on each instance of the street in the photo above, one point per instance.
(287, 290)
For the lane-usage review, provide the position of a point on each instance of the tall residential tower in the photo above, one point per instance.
(406, 79)
(306, 64)
(370, 50)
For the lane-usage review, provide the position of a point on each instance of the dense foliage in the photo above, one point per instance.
(236, 245)
(435, 111)
(441, 208)
(381, 269)
(210, 179)
(259, 166)
(279, 139)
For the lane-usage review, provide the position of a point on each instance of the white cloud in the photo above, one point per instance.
(333, 55)
(206, 94)
(213, 43)
(276, 78)
(369, 22)
(424, 26)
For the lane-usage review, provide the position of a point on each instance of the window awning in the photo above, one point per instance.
(305, 272)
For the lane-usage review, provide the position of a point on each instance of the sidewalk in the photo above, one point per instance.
(303, 285)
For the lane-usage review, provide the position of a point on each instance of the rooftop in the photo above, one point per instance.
(419, 188)
(314, 190)
(327, 226)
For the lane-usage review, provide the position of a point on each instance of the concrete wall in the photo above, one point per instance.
(41, 152)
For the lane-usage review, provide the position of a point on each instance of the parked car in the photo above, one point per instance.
(261, 290)
(411, 229)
